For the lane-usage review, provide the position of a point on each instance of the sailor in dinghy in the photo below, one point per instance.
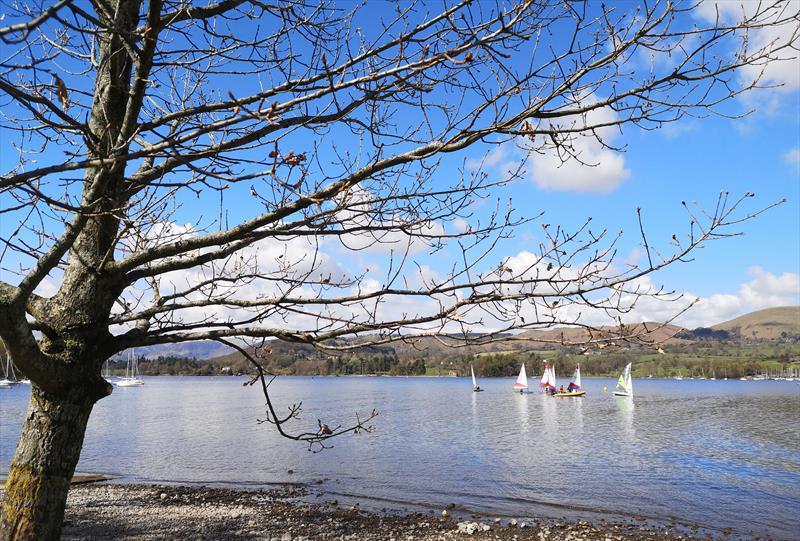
(548, 383)
(625, 383)
(521, 385)
(475, 387)
(574, 388)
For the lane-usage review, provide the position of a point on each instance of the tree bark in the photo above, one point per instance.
(40, 474)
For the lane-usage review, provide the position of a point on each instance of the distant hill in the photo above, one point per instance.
(763, 326)
(768, 324)
(202, 349)
(655, 333)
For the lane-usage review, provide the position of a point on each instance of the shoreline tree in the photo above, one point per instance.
(180, 170)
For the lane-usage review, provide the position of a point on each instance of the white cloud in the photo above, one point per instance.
(584, 160)
(460, 225)
(589, 165)
(792, 156)
(766, 289)
(783, 74)
(269, 268)
(393, 234)
(639, 303)
(712, 310)
(606, 170)
(497, 156)
(275, 260)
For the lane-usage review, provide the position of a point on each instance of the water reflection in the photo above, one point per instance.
(523, 413)
(496, 452)
(625, 411)
(549, 414)
(578, 408)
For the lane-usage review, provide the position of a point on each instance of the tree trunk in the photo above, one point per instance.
(40, 474)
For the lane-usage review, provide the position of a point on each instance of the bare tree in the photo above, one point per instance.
(179, 169)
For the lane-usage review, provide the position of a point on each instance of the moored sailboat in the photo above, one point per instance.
(625, 383)
(131, 378)
(521, 385)
(574, 388)
(10, 378)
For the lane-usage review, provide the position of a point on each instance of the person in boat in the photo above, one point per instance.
(561, 390)
(476, 388)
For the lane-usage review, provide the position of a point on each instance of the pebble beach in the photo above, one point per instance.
(148, 512)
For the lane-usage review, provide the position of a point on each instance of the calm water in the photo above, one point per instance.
(709, 453)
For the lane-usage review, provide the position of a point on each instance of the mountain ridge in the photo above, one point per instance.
(768, 324)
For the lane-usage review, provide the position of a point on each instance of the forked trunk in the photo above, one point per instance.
(40, 473)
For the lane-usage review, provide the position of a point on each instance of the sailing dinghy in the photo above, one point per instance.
(475, 387)
(521, 385)
(548, 382)
(625, 383)
(574, 388)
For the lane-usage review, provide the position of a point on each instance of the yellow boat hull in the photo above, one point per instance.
(573, 393)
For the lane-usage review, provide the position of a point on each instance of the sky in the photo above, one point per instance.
(692, 160)
(696, 160)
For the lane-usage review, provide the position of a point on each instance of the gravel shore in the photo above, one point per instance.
(136, 512)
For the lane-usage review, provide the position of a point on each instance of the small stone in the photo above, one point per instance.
(445, 514)
(512, 522)
(290, 472)
(163, 495)
(468, 528)
(286, 537)
(497, 520)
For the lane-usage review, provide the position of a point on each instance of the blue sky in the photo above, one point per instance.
(691, 160)
(695, 160)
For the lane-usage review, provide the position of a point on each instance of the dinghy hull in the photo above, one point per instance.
(571, 393)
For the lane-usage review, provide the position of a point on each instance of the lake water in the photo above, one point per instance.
(713, 454)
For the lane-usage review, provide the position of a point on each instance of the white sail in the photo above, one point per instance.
(131, 378)
(629, 379)
(575, 384)
(545, 375)
(625, 383)
(522, 379)
(10, 378)
(474, 383)
(549, 377)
